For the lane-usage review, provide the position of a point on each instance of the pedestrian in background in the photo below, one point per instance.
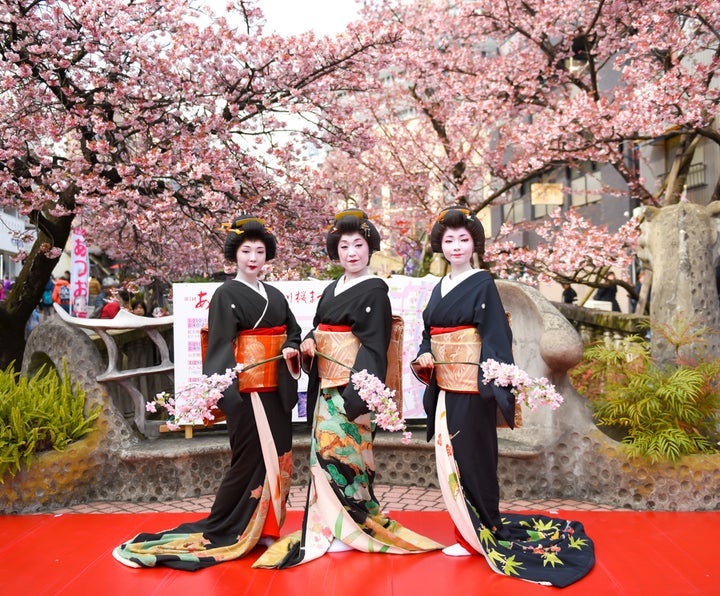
(61, 291)
(569, 296)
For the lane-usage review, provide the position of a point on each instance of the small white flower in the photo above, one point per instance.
(232, 306)
(368, 309)
(482, 305)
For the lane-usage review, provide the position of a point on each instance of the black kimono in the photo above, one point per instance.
(260, 431)
(341, 504)
(365, 308)
(464, 428)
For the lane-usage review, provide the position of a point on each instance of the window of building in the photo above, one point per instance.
(540, 211)
(696, 173)
(586, 186)
(514, 211)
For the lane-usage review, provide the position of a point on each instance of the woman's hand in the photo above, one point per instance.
(308, 347)
(292, 359)
(425, 361)
(422, 367)
(289, 353)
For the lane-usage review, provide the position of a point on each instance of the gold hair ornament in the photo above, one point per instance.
(235, 226)
(463, 210)
(356, 212)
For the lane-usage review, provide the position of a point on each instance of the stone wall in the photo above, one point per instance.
(595, 325)
(585, 467)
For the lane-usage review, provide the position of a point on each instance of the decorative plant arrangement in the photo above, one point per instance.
(665, 411)
(39, 414)
(379, 399)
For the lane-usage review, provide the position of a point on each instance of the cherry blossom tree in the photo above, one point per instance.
(571, 250)
(480, 97)
(150, 123)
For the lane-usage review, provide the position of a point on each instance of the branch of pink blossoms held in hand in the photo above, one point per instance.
(533, 392)
(379, 399)
(195, 402)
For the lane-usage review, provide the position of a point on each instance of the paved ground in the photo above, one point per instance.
(392, 498)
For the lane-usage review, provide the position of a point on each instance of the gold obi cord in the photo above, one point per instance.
(456, 347)
(251, 348)
(342, 346)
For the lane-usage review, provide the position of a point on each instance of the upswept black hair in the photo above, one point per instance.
(453, 218)
(247, 227)
(350, 221)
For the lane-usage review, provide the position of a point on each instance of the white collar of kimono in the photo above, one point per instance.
(343, 285)
(259, 288)
(448, 283)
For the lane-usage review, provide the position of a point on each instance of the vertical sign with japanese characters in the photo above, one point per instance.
(190, 313)
(79, 274)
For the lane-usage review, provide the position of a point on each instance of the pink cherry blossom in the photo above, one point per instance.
(570, 250)
(532, 392)
(152, 123)
(196, 402)
(379, 399)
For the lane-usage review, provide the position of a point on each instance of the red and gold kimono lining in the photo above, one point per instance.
(251, 346)
(455, 346)
(339, 343)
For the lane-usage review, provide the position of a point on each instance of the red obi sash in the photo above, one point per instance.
(441, 330)
(250, 346)
(336, 328)
(264, 331)
(256, 345)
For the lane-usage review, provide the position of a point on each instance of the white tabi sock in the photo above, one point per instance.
(338, 546)
(456, 550)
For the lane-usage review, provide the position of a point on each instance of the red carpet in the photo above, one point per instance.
(637, 553)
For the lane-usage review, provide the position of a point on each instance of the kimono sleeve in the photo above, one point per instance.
(287, 384)
(222, 330)
(496, 345)
(372, 325)
(311, 366)
(292, 329)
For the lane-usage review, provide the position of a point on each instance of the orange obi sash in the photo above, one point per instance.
(456, 346)
(338, 342)
(251, 346)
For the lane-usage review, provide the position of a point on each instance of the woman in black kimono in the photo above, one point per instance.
(465, 323)
(352, 325)
(249, 321)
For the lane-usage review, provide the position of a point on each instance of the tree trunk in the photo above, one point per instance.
(680, 244)
(27, 292)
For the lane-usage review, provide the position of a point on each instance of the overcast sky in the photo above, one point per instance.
(297, 16)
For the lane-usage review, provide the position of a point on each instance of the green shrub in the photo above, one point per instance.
(664, 411)
(38, 414)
